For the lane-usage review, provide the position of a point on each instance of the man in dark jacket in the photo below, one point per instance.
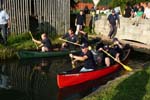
(114, 22)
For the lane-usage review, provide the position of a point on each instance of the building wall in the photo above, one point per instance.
(51, 16)
(127, 31)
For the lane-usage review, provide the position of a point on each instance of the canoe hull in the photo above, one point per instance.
(37, 54)
(74, 77)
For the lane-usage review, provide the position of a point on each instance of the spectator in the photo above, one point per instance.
(139, 15)
(86, 10)
(84, 37)
(127, 12)
(4, 25)
(93, 13)
(113, 20)
(147, 11)
(79, 22)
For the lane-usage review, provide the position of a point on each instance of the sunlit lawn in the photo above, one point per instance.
(134, 87)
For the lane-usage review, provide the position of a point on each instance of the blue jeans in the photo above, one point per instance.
(3, 28)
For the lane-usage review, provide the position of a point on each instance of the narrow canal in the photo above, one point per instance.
(35, 79)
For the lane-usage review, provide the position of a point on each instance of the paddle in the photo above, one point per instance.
(69, 42)
(124, 66)
(33, 38)
(72, 62)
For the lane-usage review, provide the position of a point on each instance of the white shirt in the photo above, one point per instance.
(3, 17)
(147, 12)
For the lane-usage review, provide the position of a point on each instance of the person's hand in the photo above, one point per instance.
(60, 38)
(116, 42)
(8, 26)
(118, 25)
(33, 39)
(100, 49)
(71, 55)
(37, 48)
(83, 24)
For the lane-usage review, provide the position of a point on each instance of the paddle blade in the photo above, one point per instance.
(127, 68)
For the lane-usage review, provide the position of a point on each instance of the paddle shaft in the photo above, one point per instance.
(33, 38)
(124, 66)
(72, 62)
(70, 42)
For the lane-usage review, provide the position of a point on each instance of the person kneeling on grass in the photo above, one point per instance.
(45, 43)
(87, 57)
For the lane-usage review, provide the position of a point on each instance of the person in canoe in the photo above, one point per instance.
(70, 37)
(87, 57)
(115, 50)
(83, 37)
(45, 44)
(118, 47)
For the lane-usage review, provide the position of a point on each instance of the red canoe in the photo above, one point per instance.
(74, 77)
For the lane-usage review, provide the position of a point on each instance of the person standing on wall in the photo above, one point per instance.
(114, 22)
(79, 22)
(4, 25)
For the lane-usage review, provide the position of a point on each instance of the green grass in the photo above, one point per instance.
(134, 87)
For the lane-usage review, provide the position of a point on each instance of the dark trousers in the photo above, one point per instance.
(113, 30)
(3, 28)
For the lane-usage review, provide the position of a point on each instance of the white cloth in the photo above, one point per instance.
(85, 70)
(147, 12)
(3, 17)
(78, 28)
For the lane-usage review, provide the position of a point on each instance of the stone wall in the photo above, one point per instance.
(140, 33)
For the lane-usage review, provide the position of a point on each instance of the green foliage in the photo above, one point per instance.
(88, 30)
(7, 53)
(18, 38)
(75, 11)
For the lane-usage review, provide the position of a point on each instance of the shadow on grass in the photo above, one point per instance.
(134, 87)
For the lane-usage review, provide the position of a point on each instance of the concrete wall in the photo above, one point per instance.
(140, 33)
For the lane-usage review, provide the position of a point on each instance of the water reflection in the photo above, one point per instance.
(4, 80)
(36, 78)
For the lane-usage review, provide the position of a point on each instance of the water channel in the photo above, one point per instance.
(35, 79)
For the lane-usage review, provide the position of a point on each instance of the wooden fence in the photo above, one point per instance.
(51, 16)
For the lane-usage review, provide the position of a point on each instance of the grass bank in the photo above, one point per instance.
(19, 42)
(134, 87)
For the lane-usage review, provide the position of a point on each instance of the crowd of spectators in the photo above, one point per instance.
(138, 12)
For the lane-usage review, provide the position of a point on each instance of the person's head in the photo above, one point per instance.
(113, 12)
(115, 40)
(43, 36)
(81, 12)
(106, 47)
(84, 48)
(70, 31)
(139, 9)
